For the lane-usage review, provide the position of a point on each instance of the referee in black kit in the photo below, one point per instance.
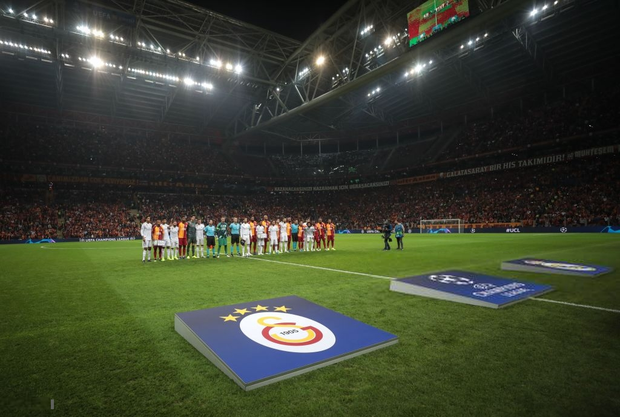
(386, 229)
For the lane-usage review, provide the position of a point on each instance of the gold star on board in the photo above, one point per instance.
(241, 311)
(260, 308)
(229, 317)
(283, 309)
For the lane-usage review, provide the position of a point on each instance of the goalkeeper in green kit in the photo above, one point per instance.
(221, 231)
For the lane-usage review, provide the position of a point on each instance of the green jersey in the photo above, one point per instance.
(191, 229)
(221, 230)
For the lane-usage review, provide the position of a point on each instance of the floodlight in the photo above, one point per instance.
(320, 60)
(95, 61)
(188, 81)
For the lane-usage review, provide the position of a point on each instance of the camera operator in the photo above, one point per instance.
(386, 229)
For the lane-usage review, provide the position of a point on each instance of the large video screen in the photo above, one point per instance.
(433, 16)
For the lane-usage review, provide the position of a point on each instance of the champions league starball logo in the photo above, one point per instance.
(559, 265)
(450, 279)
(283, 331)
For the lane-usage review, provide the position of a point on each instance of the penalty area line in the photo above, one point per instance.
(611, 310)
(342, 271)
(322, 268)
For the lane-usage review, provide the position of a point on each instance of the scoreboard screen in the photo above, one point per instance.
(433, 16)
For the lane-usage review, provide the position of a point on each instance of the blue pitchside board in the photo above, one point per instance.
(260, 342)
(469, 288)
(547, 266)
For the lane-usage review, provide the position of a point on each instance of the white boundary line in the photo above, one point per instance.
(342, 271)
(611, 310)
(83, 248)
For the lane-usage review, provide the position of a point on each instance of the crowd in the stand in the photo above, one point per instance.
(565, 118)
(101, 148)
(80, 151)
(576, 193)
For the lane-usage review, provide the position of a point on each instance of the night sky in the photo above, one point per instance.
(296, 20)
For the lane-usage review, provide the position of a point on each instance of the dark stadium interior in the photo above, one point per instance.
(485, 134)
(507, 89)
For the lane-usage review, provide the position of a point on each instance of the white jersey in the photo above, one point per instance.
(174, 232)
(310, 232)
(166, 231)
(146, 231)
(200, 231)
(260, 232)
(273, 231)
(245, 231)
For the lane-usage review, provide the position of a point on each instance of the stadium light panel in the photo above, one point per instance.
(188, 81)
(533, 12)
(545, 7)
(229, 66)
(320, 60)
(25, 14)
(462, 46)
(238, 69)
(95, 61)
(11, 10)
(469, 43)
(387, 41)
(486, 34)
(34, 16)
(555, 2)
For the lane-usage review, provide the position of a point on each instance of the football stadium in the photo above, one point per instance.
(354, 208)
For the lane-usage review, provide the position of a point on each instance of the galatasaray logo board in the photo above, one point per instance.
(261, 342)
(554, 267)
(469, 288)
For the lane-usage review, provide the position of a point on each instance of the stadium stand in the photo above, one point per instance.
(575, 193)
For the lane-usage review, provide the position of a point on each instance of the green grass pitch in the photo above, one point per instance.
(90, 326)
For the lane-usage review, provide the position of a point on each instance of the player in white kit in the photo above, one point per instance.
(245, 238)
(174, 240)
(283, 236)
(146, 232)
(309, 236)
(261, 236)
(200, 239)
(273, 237)
(167, 242)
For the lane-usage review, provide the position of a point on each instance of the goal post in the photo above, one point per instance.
(441, 226)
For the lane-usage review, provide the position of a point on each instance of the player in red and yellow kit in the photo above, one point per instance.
(288, 233)
(300, 236)
(330, 230)
(158, 241)
(265, 223)
(318, 231)
(253, 239)
(322, 234)
(182, 237)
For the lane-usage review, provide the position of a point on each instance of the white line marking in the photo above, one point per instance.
(342, 271)
(611, 310)
(83, 248)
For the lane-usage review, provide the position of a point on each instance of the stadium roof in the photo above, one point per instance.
(168, 61)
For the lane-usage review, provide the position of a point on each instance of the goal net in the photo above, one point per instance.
(441, 226)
